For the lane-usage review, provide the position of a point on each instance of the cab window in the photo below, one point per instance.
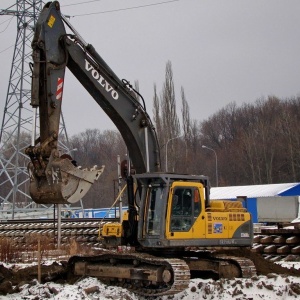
(182, 210)
(154, 210)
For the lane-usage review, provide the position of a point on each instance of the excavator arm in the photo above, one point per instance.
(53, 177)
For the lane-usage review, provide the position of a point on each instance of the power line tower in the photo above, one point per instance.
(17, 122)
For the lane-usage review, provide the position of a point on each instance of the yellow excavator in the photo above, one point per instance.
(171, 228)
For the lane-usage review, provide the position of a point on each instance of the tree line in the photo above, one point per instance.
(255, 143)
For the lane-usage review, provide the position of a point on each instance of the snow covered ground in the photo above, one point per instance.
(271, 287)
(260, 287)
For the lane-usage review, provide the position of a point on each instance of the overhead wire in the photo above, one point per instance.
(95, 13)
(79, 3)
(123, 9)
(7, 48)
(6, 20)
(9, 20)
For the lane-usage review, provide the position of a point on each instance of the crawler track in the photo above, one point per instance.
(148, 275)
(141, 273)
(246, 266)
(263, 266)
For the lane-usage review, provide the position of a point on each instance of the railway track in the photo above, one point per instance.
(272, 243)
(83, 231)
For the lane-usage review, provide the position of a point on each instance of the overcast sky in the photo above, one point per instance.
(221, 51)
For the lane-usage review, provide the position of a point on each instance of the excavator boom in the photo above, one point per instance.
(54, 178)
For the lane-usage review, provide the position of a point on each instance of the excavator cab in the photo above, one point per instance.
(170, 203)
(166, 203)
(176, 212)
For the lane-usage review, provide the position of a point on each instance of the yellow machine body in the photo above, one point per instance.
(219, 221)
(186, 220)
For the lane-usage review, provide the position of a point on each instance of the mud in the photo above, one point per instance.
(12, 279)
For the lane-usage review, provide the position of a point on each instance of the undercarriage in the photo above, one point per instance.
(147, 274)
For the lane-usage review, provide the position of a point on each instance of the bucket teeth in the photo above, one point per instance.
(63, 183)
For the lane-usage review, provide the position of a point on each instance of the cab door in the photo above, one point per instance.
(185, 215)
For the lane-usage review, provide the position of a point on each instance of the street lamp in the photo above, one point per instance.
(205, 147)
(177, 137)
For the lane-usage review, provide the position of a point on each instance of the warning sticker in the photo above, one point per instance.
(59, 89)
(51, 21)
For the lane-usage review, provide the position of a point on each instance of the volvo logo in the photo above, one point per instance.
(220, 218)
(96, 75)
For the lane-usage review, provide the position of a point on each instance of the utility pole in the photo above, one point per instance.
(17, 119)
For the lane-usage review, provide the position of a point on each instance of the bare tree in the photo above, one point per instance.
(170, 120)
(99, 148)
(157, 119)
(186, 120)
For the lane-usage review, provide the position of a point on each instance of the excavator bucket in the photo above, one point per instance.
(63, 183)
